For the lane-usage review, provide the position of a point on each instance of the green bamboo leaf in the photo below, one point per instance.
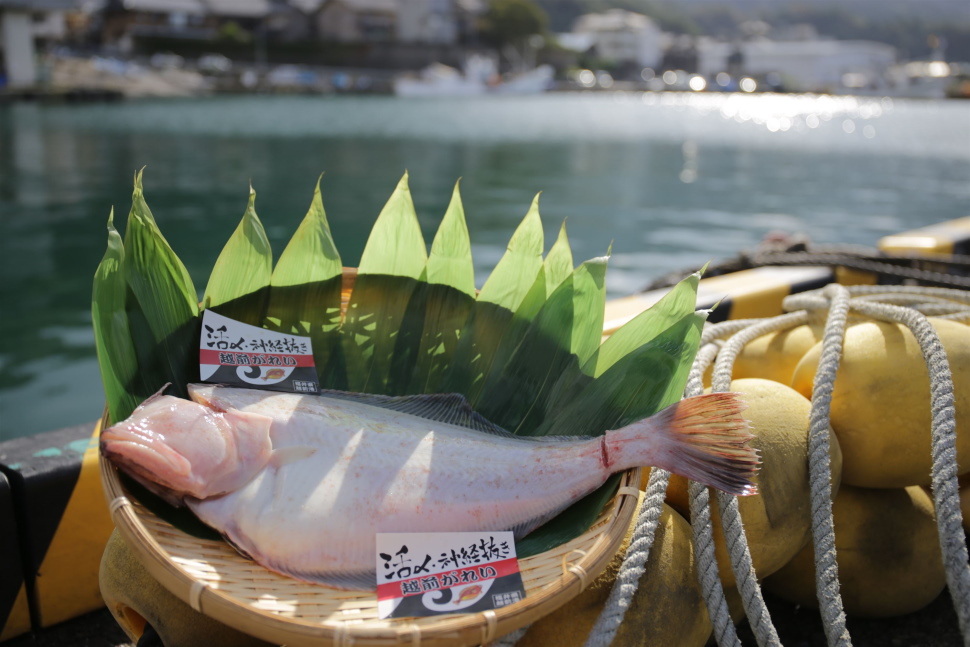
(238, 286)
(305, 292)
(514, 279)
(678, 379)
(395, 246)
(570, 523)
(671, 309)
(450, 262)
(516, 271)
(311, 256)
(112, 338)
(441, 305)
(678, 302)
(163, 304)
(552, 272)
(589, 308)
(428, 338)
(531, 304)
(565, 332)
(636, 386)
(559, 261)
(555, 269)
(517, 327)
(379, 344)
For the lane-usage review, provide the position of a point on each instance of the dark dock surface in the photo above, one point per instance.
(933, 626)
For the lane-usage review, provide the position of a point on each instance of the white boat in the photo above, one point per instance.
(439, 80)
(478, 76)
(534, 81)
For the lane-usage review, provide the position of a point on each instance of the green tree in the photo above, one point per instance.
(512, 22)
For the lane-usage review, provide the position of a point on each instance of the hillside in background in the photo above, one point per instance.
(912, 26)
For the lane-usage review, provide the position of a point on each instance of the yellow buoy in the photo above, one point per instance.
(887, 550)
(777, 522)
(667, 609)
(774, 356)
(881, 402)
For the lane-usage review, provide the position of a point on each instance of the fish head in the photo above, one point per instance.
(180, 448)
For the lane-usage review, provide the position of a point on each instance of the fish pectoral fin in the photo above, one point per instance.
(286, 455)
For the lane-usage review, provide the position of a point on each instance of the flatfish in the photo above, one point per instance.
(302, 483)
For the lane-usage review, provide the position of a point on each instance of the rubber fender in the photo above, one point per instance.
(14, 610)
(951, 237)
(62, 520)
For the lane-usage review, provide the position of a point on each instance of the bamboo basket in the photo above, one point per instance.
(217, 581)
(214, 579)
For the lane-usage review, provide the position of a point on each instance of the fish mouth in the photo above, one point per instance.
(144, 455)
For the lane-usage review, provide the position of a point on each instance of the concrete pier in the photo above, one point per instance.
(17, 39)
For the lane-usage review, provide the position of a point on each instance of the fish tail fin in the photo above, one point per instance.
(703, 438)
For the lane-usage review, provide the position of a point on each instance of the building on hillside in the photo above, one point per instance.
(296, 20)
(433, 22)
(248, 12)
(351, 21)
(802, 65)
(125, 20)
(468, 13)
(427, 21)
(623, 37)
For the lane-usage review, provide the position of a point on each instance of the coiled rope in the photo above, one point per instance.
(900, 304)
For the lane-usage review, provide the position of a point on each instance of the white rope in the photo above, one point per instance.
(700, 508)
(959, 296)
(707, 569)
(819, 464)
(943, 421)
(735, 539)
(634, 563)
(945, 486)
(723, 341)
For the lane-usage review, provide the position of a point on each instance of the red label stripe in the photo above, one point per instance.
(230, 358)
(390, 590)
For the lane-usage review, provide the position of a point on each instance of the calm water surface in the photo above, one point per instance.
(671, 181)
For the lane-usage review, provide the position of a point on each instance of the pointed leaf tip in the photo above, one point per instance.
(395, 245)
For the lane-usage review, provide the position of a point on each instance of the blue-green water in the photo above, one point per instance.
(671, 181)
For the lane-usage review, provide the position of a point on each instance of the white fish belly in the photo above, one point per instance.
(347, 471)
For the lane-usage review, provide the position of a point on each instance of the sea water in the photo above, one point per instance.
(665, 181)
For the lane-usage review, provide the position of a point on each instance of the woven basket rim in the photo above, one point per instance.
(563, 573)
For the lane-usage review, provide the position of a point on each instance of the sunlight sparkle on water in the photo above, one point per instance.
(784, 112)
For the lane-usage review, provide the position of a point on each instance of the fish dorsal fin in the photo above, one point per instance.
(450, 408)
